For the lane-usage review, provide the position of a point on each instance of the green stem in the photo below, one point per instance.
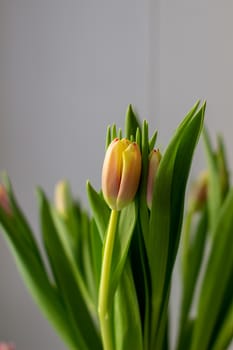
(103, 305)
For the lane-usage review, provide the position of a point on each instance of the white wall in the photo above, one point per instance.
(68, 69)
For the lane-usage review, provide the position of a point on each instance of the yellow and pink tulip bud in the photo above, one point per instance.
(121, 173)
(4, 201)
(154, 160)
(62, 198)
(199, 192)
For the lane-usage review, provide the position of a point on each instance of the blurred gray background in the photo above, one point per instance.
(70, 68)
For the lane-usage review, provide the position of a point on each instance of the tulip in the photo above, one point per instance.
(154, 160)
(121, 173)
(62, 198)
(4, 201)
(7, 346)
(199, 192)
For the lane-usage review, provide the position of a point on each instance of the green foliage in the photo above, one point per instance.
(166, 214)
(145, 246)
(128, 327)
(210, 239)
(217, 277)
(29, 262)
(64, 272)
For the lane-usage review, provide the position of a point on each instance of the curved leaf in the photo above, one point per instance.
(128, 328)
(217, 277)
(101, 211)
(167, 210)
(45, 295)
(125, 229)
(63, 269)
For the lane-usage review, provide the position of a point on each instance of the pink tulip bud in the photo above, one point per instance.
(199, 192)
(4, 201)
(121, 173)
(154, 160)
(7, 346)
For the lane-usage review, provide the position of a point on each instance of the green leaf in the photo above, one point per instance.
(192, 263)
(79, 272)
(222, 167)
(108, 137)
(161, 341)
(167, 209)
(125, 229)
(143, 210)
(119, 134)
(100, 210)
(20, 222)
(153, 140)
(187, 335)
(183, 162)
(35, 277)
(77, 311)
(128, 328)
(96, 250)
(114, 131)
(131, 123)
(217, 277)
(138, 137)
(87, 258)
(214, 186)
(139, 265)
(224, 317)
(225, 335)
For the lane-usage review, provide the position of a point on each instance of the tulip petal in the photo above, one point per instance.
(112, 168)
(121, 173)
(4, 201)
(154, 160)
(131, 170)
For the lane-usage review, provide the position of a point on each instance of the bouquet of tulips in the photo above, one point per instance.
(110, 270)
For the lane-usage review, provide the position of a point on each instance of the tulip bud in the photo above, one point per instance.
(4, 201)
(199, 192)
(154, 160)
(7, 346)
(62, 198)
(121, 173)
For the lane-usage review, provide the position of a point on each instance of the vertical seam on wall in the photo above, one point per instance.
(153, 70)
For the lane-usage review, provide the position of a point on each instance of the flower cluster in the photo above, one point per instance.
(107, 279)
(122, 170)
